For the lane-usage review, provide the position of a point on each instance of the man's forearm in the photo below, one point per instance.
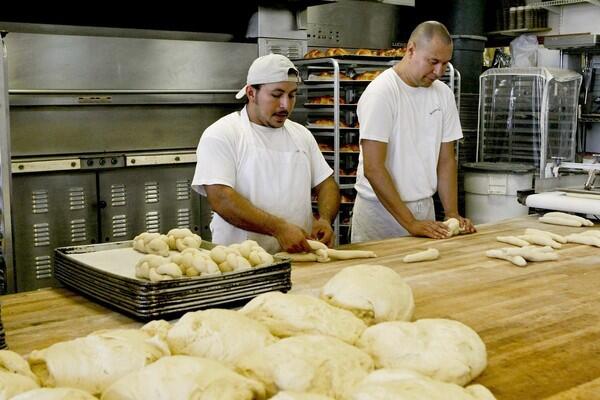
(447, 186)
(328, 200)
(240, 212)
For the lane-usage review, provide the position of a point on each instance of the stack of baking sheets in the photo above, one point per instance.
(106, 273)
(2, 337)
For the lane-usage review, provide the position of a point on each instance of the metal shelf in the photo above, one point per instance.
(518, 32)
(589, 118)
(550, 5)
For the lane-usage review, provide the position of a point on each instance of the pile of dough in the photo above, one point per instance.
(453, 227)
(290, 395)
(307, 363)
(373, 293)
(560, 218)
(181, 239)
(183, 378)
(218, 334)
(15, 375)
(442, 349)
(321, 253)
(152, 243)
(55, 394)
(93, 362)
(296, 314)
(401, 384)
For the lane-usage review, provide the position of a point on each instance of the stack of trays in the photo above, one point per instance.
(106, 273)
(2, 337)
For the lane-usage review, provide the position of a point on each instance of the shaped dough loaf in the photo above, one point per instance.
(218, 334)
(555, 214)
(373, 293)
(427, 255)
(181, 239)
(15, 375)
(289, 395)
(295, 314)
(442, 349)
(55, 394)
(93, 362)
(453, 227)
(152, 243)
(184, 378)
(307, 363)
(399, 384)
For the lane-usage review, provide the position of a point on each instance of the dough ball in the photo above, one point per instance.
(442, 349)
(293, 314)
(408, 385)
(183, 378)
(373, 293)
(308, 363)
(218, 334)
(288, 395)
(55, 394)
(15, 375)
(93, 362)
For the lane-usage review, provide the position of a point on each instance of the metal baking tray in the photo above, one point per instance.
(351, 57)
(147, 300)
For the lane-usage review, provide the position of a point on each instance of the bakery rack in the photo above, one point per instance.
(343, 132)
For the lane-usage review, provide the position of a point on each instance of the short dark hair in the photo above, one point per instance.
(427, 30)
(257, 87)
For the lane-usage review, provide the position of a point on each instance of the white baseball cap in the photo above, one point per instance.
(270, 69)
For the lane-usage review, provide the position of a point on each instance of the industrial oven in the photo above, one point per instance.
(103, 132)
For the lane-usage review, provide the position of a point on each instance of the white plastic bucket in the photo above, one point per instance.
(491, 190)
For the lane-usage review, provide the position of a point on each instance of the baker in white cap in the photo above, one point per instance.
(257, 168)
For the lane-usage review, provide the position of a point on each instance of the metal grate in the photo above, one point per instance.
(76, 198)
(78, 231)
(39, 201)
(183, 188)
(119, 225)
(184, 217)
(118, 195)
(41, 234)
(43, 267)
(151, 192)
(153, 221)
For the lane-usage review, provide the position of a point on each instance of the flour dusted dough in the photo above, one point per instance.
(93, 362)
(288, 395)
(374, 293)
(308, 363)
(15, 375)
(55, 394)
(442, 349)
(295, 314)
(218, 334)
(385, 384)
(183, 378)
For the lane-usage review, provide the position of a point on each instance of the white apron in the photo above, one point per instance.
(274, 181)
(371, 220)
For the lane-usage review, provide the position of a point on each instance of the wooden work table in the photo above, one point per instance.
(541, 323)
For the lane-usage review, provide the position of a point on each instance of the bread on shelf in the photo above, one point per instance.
(325, 100)
(315, 53)
(337, 51)
(327, 76)
(367, 75)
(364, 52)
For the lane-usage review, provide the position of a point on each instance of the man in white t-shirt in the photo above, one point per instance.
(257, 168)
(408, 125)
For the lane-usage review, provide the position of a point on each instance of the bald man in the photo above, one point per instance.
(408, 125)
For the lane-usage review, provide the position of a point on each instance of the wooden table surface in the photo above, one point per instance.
(541, 323)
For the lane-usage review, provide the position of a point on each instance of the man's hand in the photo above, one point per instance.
(292, 238)
(432, 229)
(322, 231)
(466, 226)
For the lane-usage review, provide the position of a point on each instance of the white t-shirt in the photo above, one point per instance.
(218, 151)
(413, 122)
